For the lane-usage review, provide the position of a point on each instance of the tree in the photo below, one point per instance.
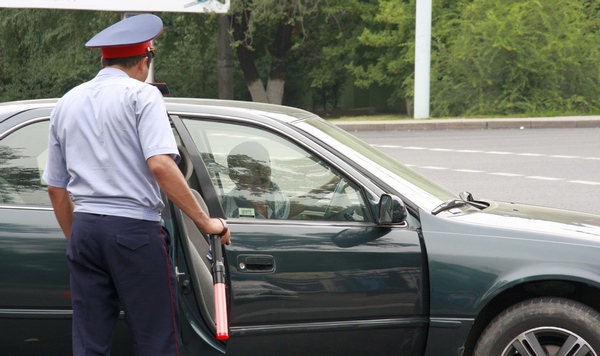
(42, 51)
(187, 54)
(268, 30)
(330, 47)
(509, 57)
(386, 52)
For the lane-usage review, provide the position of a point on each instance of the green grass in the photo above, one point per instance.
(369, 118)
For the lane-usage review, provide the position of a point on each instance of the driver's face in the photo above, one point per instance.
(250, 174)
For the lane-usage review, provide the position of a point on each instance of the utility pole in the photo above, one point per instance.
(422, 59)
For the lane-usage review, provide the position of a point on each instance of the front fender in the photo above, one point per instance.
(539, 273)
(470, 263)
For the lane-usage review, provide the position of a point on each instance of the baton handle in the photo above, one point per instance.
(218, 269)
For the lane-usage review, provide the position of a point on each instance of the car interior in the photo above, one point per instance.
(197, 244)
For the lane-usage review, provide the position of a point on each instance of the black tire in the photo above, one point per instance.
(542, 326)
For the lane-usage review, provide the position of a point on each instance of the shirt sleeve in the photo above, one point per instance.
(154, 128)
(55, 173)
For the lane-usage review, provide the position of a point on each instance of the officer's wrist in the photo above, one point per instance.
(225, 227)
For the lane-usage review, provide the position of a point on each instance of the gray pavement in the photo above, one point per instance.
(471, 124)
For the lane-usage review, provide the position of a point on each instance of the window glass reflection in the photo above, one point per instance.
(260, 175)
(23, 156)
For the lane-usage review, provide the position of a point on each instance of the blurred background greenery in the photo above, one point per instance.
(337, 57)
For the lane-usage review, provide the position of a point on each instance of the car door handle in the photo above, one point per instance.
(256, 263)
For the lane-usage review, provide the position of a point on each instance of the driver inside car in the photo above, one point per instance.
(254, 194)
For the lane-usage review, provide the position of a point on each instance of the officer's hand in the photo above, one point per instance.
(225, 233)
(217, 226)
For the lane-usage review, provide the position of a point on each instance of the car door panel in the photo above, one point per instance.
(324, 271)
(35, 304)
(311, 280)
(34, 283)
(35, 298)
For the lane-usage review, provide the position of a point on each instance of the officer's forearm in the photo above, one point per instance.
(171, 181)
(63, 208)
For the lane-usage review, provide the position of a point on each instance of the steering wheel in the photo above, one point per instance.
(338, 193)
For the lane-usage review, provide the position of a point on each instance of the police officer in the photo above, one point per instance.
(110, 149)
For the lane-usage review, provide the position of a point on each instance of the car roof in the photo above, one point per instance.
(277, 112)
(10, 108)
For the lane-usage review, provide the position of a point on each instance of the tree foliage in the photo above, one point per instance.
(386, 52)
(42, 51)
(187, 56)
(266, 33)
(489, 57)
(328, 49)
(522, 56)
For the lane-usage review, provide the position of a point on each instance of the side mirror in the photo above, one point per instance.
(391, 210)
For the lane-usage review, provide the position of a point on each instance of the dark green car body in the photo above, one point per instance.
(426, 285)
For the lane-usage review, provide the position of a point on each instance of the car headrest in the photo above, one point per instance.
(185, 164)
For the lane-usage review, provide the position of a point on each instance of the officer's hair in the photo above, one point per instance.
(128, 62)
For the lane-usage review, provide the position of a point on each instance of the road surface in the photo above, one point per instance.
(551, 167)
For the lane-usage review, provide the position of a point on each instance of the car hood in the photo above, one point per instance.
(534, 220)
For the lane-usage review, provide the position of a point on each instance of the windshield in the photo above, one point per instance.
(408, 183)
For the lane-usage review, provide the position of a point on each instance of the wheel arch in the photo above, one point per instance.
(571, 283)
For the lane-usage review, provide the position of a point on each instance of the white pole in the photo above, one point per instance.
(150, 78)
(422, 58)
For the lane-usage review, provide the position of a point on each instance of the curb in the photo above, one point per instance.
(471, 124)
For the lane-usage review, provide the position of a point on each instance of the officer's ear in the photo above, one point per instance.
(143, 64)
(139, 70)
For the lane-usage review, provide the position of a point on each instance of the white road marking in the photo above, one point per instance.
(524, 154)
(434, 167)
(503, 174)
(543, 178)
(506, 174)
(563, 156)
(469, 151)
(468, 171)
(530, 154)
(584, 182)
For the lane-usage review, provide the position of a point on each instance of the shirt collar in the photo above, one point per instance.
(113, 72)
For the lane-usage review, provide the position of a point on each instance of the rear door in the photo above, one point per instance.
(309, 270)
(35, 299)
(34, 282)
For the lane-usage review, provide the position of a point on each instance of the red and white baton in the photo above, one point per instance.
(218, 270)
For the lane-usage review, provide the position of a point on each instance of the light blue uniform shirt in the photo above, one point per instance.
(101, 134)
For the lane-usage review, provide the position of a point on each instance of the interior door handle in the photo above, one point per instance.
(256, 263)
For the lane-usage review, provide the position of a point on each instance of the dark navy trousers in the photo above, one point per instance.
(116, 263)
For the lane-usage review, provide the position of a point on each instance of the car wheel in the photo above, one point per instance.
(542, 326)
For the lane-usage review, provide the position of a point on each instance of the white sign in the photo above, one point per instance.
(218, 6)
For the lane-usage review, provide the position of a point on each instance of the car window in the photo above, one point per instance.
(23, 155)
(260, 175)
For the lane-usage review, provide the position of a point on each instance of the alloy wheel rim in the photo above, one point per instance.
(548, 341)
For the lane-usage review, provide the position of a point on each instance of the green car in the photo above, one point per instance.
(336, 248)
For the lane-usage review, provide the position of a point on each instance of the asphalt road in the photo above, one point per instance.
(550, 167)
